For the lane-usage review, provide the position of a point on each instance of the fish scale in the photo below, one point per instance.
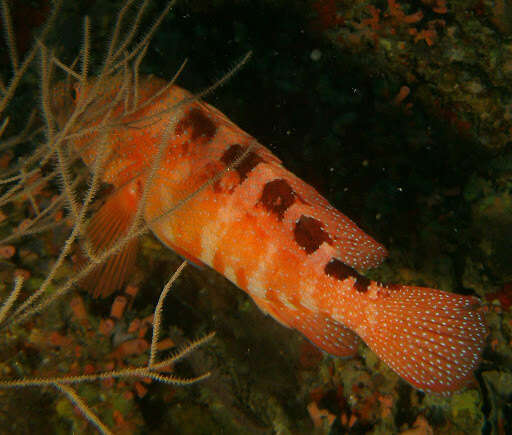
(270, 233)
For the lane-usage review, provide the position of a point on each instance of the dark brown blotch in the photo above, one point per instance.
(201, 126)
(392, 287)
(309, 234)
(362, 283)
(231, 154)
(386, 290)
(246, 165)
(277, 197)
(337, 269)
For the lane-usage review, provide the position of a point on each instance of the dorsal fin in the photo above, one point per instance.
(242, 136)
(354, 247)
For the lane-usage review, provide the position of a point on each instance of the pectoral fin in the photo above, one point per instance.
(109, 225)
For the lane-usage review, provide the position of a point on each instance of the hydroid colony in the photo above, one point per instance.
(52, 160)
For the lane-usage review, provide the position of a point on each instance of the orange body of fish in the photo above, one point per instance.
(268, 232)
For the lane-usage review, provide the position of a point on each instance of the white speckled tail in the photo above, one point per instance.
(431, 338)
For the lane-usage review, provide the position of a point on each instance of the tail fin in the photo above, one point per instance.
(432, 339)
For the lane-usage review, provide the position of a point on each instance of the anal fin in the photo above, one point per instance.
(326, 333)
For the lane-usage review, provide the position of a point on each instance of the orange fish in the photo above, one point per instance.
(267, 231)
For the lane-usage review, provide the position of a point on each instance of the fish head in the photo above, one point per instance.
(127, 121)
(87, 111)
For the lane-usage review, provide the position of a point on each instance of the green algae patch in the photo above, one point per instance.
(459, 413)
(466, 410)
(500, 381)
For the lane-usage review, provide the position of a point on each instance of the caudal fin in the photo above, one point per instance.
(431, 338)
